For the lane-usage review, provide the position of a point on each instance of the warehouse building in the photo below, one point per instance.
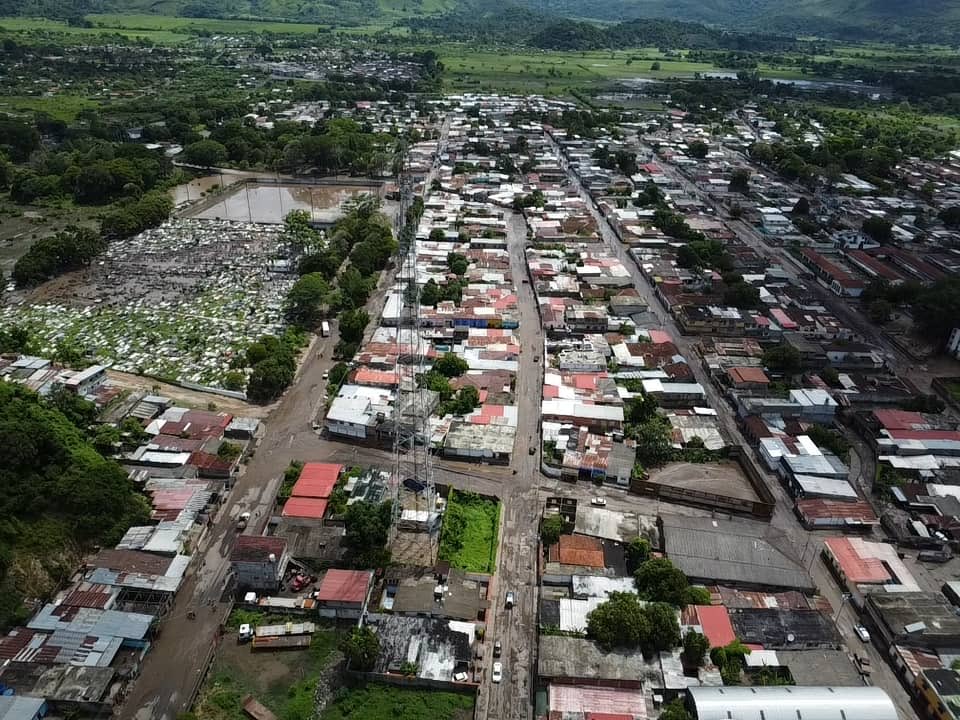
(808, 703)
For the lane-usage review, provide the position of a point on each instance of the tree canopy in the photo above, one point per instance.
(60, 496)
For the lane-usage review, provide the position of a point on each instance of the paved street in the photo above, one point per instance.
(173, 666)
(517, 571)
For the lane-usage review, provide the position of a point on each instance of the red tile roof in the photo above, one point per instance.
(345, 586)
(580, 550)
(302, 507)
(317, 480)
(748, 375)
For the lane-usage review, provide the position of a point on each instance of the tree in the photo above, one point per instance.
(352, 325)
(801, 207)
(234, 380)
(950, 216)
(698, 149)
(937, 308)
(206, 153)
(658, 580)
(878, 229)
(362, 648)
(451, 365)
(675, 710)
(695, 647)
(105, 439)
(437, 235)
(740, 181)
(654, 441)
(367, 524)
(618, 622)
(79, 411)
(879, 311)
(551, 529)
(305, 300)
(637, 553)
(430, 293)
(783, 359)
(338, 373)
(664, 627)
(15, 339)
(270, 377)
(655, 65)
(458, 263)
(742, 295)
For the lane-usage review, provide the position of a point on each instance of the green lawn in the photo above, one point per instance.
(470, 529)
(387, 702)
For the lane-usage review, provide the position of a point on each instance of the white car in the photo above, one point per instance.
(862, 632)
(497, 672)
(598, 501)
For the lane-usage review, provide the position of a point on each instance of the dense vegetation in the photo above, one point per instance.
(470, 527)
(389, 702)
(60, 495)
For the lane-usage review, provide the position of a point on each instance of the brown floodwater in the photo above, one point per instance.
(271, 203)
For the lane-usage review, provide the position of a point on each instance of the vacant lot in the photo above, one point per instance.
(386, 702)
(285, 681)
(469, 539)
(722, 478)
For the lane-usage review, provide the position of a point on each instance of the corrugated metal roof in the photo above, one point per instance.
(790, 703)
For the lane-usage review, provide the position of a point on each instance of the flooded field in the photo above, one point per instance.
(271, 203)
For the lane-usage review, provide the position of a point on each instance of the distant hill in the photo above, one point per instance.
(890, 20)
(903, 20)
(328, 12)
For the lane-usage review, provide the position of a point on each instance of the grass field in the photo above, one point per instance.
(60, 107)
(552, 72)
(387, 702)
(470, 529)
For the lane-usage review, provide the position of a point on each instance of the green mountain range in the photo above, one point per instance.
(911, 20)
(915, 21)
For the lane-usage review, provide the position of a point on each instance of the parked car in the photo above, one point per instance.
(243, 520)
(511, 599)
(863, 663)
(598, 501)
(245, 633)
(497, 672)
(934, 556)
(497, 649)
(862, 632)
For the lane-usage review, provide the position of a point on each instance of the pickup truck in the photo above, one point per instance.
(863, 663)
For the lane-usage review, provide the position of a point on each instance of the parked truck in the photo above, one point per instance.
(325, 329)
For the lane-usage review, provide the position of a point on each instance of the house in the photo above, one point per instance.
(751, 379)
(86, 381)
(259, 562)
(343, 594)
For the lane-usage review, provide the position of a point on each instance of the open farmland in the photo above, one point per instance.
(176, 302)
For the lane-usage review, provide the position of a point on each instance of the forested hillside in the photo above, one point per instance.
(914, 21)
(60, 496)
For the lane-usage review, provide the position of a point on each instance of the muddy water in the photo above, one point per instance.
(194, 190)
(271, 203)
